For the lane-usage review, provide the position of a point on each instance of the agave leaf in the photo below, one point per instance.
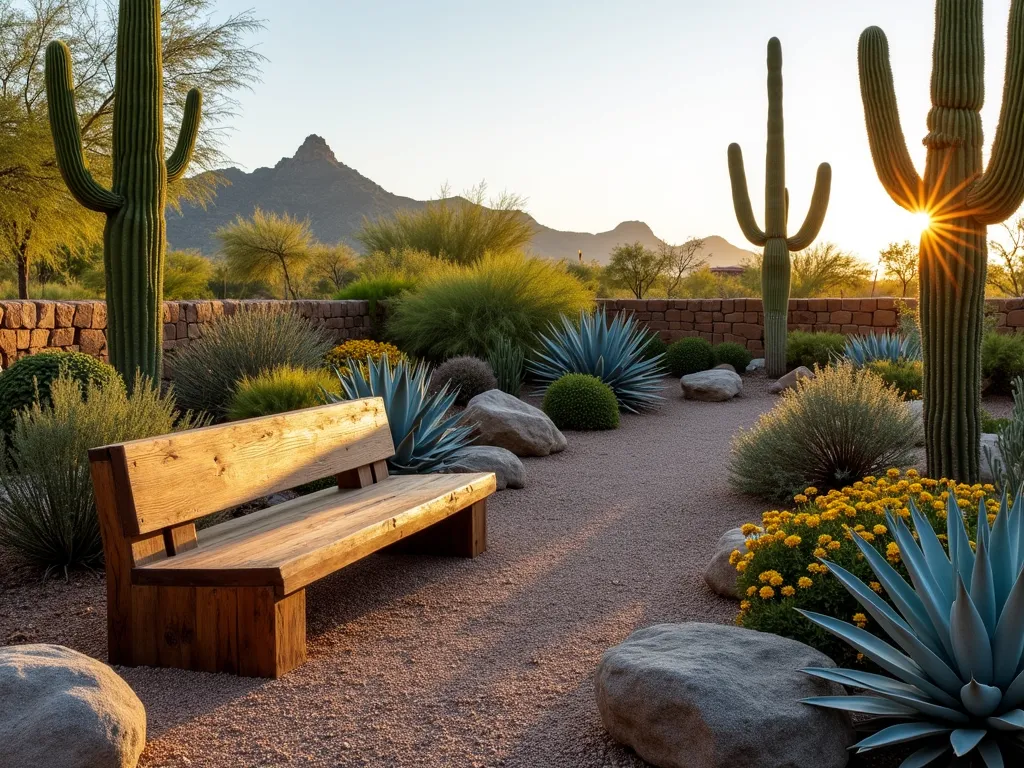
(900, 734)
(1014, 695)
(934, 553)
(927, 589)
(1008, 721)
(980, 700)
(991, 754)
(1008, 642)
(865, 705)
(893, 690)
(960, 552)
(971, 645)
(925, 756)
(983, 587)
(964, 740)
(1000, 554)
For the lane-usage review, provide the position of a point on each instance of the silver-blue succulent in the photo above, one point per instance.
(425, 440)
(888, 346)
(613, 352)
(957, 685)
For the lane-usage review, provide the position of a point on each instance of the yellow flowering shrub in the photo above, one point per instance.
(341, 356)
(781, 571)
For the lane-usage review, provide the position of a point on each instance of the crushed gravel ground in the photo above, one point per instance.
(420, 661)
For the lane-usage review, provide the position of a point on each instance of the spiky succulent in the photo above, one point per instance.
(959, 668)
(613, 352)
(424, 439)
(891, 347)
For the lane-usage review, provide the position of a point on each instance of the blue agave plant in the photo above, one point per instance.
(959, 665)
(425, 441)
(892, 347)
(613, 352)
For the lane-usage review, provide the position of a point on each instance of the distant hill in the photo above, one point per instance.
(336, 198)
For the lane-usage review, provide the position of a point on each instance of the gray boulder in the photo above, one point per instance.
(501, 420)
(714, 386)
(990, 441)
(720, 575)
(59, 707)
(790, 379)
(755, 365)
(724, 367)
(505, 465)
(713, 696)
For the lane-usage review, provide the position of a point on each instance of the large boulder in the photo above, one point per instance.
(714, 696)
(989, 441)
(756, 365)
(505, 421)
(714, 386)
(59, 707)
(505, 465)
(790, 379)
(721, 575)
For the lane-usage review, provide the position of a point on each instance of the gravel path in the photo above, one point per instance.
(419, 661)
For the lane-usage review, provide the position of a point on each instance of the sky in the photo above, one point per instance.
(598, 112)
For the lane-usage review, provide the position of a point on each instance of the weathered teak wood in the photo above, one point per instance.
(232, 597)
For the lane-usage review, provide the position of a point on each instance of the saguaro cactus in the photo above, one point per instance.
(134, 240)
(961, 201)
(775, 239)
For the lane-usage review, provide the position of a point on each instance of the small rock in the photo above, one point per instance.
(505, 465)
(505, 421)
(724, 367)
(790, 379)
(714, 386)
(59, 707)
(721, 575)
(755, 365)
(714, 696)
(989, 444)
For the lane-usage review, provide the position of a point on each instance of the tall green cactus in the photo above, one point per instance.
(962, 200)
(134, 240)
(775, 269)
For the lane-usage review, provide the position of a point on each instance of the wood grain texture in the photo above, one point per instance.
(217, 629)
(296, 543)
(463, 534)
(183, 476)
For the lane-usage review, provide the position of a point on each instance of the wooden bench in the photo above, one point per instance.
(231, 598)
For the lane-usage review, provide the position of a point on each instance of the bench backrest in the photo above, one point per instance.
(164, 482)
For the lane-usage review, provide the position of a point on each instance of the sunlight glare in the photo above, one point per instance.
(922, 222)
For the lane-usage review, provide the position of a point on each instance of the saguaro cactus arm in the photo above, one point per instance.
(741, 198)
(889, 151)
(67, 133)
(1000, 191)
(816, 214)
(178, 162)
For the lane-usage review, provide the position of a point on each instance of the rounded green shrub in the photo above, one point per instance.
(18, 383)
(906, 376)
(811, 349)
(581, 402)
(1002, 360)
(279, 390)
(466, 376)
(690, 355)
(655, 346)
(734, 354)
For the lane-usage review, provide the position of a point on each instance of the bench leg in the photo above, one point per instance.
(463, 534)
(248, 631)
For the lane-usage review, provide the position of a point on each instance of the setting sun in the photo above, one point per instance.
(922, 222)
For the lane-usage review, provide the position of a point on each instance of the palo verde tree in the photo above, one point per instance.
(134, 239)
(775, 239)
(962, 199)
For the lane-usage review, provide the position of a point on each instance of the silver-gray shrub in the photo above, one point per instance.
(1008, 466)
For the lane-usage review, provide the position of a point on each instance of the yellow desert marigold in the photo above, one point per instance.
(805, 583)
(359, 350)
(860, 620)
(792, 541)
(749, 529)
(788, 591)
(766, 593)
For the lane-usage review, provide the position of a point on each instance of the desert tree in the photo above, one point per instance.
(331, 267)
(187, 275)
(821, 270)
(636, 267)
(900, 262)
(1006, 260)
(681, 260)
(267, 247)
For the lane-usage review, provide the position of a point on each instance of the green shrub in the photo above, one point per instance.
(582, 402)
(508, 362)
(906, 377)
(690, 355)
(376, 289)
(47, 510)
(1002, 360)
(734, 354)
(811, 349)
(992, 424)
(18, 383)
(654, 346)
(467, 310)
(1008, 467)
(279, 390)
(828, 432)
(466, 376)
(243, 344)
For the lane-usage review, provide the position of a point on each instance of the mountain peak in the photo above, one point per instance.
(315, 148)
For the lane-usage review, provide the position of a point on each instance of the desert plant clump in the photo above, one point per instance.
(782, 569)
(358, 351)
(581, 402)
(279, 390)
(508, 362)
(733, 354)
(690, 355)
(47, 510)
(466, 310)
(1002, 360)
(814, 348)
(886, 346)
(842, 425)
(1007, 467)
(375, 288)
(466, 376)
(655, 346)
(243, 344)
(906, 376)
(34, 374)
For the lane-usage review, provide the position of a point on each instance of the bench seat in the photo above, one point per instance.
(291, 545)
